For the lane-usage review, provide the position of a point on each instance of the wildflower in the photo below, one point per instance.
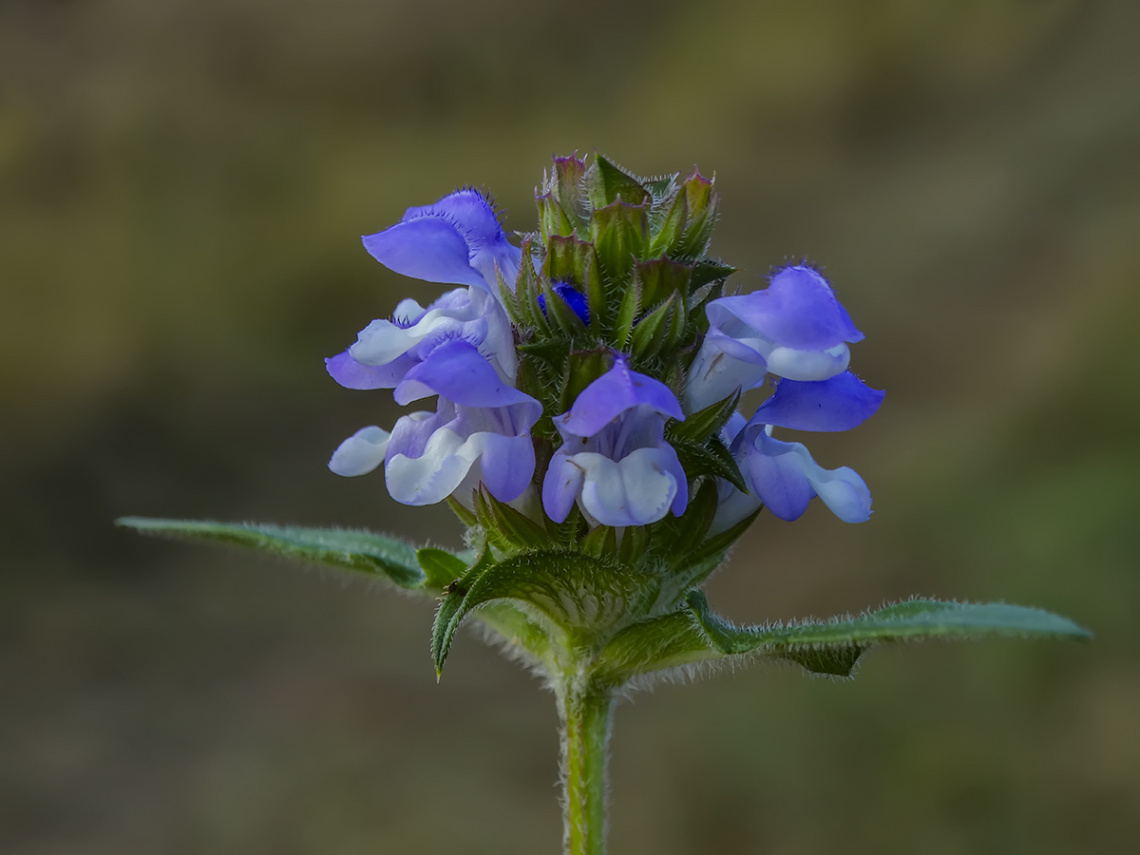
(795, 328)
(480, 432)
(614, 459)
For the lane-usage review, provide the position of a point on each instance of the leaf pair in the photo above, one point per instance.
(548, 603)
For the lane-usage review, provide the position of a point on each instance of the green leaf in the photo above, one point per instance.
(466, 517)
(710, 457)
(443, 629)
(651, 331)
(528, 286)
(561, 315)
(585, 366)
(634, 542)
(679, 536)
(516, 527)
(694, 634)
(440, 566)
(707, 271)
(692, 567)
(653, 645)
(362, 551)
(578, 595)
(662, 188)
(704, 423)
(627, 313)
(601, 541)
(834, 647)
(518, 630)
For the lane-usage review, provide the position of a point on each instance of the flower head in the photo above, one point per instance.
(597, 366)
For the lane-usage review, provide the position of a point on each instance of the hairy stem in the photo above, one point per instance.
(586, 714)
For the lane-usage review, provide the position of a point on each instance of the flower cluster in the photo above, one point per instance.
(592, 376)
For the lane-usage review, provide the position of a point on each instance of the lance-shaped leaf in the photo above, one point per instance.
(710, 457)
(363, 551)
(577, 595)
(704, 423)
(690, 566)
(654, 330)
(707, 271)
(832, 647)
(514, 529)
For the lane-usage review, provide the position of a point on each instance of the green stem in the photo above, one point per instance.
(586, 714)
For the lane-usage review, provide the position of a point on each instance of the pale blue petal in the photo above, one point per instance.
(785, 478)
(355, 375)
(808, 365)
(843, 491)
(432, 476)
(561, 486)
(838, 403)
(360, 453)
(775, 474)
(507, 464)
(447, 459)
(732, 507)
(723, 365)
(639, 489)
(411, 433)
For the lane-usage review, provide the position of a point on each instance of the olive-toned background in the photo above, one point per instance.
(183, 184)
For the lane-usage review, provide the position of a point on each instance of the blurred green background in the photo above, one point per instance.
(182, 185)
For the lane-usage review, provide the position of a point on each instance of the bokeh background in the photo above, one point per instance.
(183, 184)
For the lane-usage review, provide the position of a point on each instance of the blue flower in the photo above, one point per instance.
(795, 328)
(461, 348)
(457, 241)
(479, 433)
(614, 460)
(386, 350)
(782, 476)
